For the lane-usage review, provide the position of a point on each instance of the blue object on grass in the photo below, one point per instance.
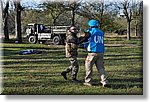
(24, 52)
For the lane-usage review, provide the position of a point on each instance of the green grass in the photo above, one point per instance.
(40, 73)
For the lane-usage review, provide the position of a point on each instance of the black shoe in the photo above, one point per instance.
(107, 85)
(64, 74)
(76, 81)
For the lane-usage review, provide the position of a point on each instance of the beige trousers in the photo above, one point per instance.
(98, 60)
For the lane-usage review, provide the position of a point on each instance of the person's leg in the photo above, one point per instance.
(67, 70)
(100, 67)
(75, 68)
(88, 66)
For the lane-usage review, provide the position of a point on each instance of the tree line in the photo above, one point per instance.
(113, 16)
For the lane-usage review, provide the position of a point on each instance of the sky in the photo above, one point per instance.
(39, 1)
(34, 3)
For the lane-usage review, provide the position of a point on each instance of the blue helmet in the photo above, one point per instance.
(92, 23)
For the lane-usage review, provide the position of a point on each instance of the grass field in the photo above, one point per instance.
(40, 73)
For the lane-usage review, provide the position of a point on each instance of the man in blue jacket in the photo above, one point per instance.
(95, 48)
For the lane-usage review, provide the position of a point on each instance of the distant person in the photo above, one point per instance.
(29, 31)
(95, 48)
(71, 48)
(41, 28)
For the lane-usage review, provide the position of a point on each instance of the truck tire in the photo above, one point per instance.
(32, 39)
(56, 40)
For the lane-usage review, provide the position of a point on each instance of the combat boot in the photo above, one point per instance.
(76, 81)
(64, 74)
(74, 77)
(105, 83)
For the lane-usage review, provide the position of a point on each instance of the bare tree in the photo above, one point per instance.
(1, 32)
(128, 14)
(96, 10)
(6, 20)
(73, 6)
(18, 9)
(127, 7)
(141, 19)
(54, 9)
(1, 18)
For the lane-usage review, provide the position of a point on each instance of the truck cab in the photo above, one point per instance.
(41, 33)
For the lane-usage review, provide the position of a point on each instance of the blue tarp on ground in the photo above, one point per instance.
(24, 52)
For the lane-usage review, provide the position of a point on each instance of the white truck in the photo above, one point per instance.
(41, 33)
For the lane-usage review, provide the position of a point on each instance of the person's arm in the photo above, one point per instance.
(72, 40)
(84, 38)
(68, 45)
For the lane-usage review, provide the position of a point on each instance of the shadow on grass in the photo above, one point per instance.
(116, 83)
(12, 53)
(126, 86)
(29, 46)
(122, 55)
(37, 62)
(132, 58)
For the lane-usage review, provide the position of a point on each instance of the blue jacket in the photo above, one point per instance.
(96, 41)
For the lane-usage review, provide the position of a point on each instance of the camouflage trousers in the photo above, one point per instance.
(74, 67)
(98, 60)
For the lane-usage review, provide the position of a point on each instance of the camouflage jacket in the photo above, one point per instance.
(71, 46)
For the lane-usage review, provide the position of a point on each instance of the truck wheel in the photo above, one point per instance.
(32, 39)
(56, 40)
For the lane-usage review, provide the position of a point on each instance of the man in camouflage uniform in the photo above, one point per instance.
(71, 48)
